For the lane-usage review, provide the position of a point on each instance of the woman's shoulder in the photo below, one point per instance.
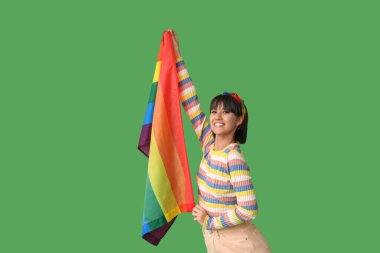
(209, 140)
(234, 152)
(236, 160)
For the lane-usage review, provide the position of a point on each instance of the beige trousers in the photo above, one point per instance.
(242, 238)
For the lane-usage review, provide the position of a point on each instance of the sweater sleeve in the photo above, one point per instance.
(190, 103)
(246, 206)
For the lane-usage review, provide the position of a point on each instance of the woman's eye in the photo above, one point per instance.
(225, 112)
(213, 111)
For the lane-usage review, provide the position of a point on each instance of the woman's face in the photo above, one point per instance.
(223, 122)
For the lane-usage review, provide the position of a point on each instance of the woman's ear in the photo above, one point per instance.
(240, 121)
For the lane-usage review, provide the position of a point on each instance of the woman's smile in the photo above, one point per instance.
(218, 124)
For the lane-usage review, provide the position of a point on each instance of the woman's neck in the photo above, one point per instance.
(222, 142)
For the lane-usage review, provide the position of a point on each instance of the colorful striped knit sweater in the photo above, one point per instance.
(225, 188)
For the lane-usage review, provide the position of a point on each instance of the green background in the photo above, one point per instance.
(74, 84)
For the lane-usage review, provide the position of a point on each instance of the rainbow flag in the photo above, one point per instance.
(168, 190)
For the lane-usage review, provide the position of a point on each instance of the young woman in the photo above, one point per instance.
(227, 200)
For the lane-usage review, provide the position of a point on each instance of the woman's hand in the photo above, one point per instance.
(199, 214)
(175, 43)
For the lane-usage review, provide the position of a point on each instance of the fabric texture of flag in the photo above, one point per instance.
(168, 190)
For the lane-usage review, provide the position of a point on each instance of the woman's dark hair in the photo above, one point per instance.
(229, 103)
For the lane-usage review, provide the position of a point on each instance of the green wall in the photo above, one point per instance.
(74, 83)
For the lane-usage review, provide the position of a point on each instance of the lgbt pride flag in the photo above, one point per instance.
(168, 190)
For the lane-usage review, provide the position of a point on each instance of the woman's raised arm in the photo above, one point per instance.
(189, 98)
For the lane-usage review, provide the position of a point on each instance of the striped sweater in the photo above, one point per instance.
(225, 188)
